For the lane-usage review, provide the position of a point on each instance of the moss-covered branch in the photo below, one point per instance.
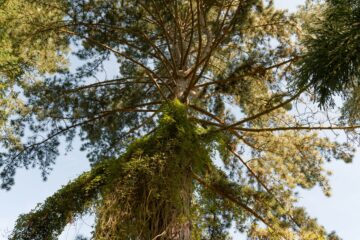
(48, 220)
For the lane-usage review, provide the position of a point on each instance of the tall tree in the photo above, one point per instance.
(197, 132)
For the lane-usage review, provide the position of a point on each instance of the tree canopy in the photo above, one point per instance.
(207, 124)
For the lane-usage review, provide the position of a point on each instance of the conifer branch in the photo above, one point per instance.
(267, 111)
(150, 72)
(233, 199)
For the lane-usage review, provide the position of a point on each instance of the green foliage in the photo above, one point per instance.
(148, 192)
(155, 185)
(332, 63)
(48, 220)
(151, 181)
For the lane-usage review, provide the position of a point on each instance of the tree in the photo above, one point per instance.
(332, 62)
(172, 157)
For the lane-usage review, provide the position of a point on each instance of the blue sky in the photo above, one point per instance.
(340, 212)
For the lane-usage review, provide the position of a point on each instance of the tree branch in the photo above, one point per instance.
(353, 127)
(231, 198)
(267, 111)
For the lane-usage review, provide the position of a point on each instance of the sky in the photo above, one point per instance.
(339, 212)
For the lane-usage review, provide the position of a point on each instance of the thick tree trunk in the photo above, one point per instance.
(151, 198)
(182, 229)
(181, 232)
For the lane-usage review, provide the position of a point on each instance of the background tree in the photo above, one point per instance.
(195, 133)
(331, 63)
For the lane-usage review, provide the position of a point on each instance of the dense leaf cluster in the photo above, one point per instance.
(332, 62)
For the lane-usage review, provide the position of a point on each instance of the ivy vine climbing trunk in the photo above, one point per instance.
(145, 194)
(150, 198)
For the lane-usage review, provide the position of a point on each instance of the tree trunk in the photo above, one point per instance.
(151, 198)
(182, 229)
(181, 232)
